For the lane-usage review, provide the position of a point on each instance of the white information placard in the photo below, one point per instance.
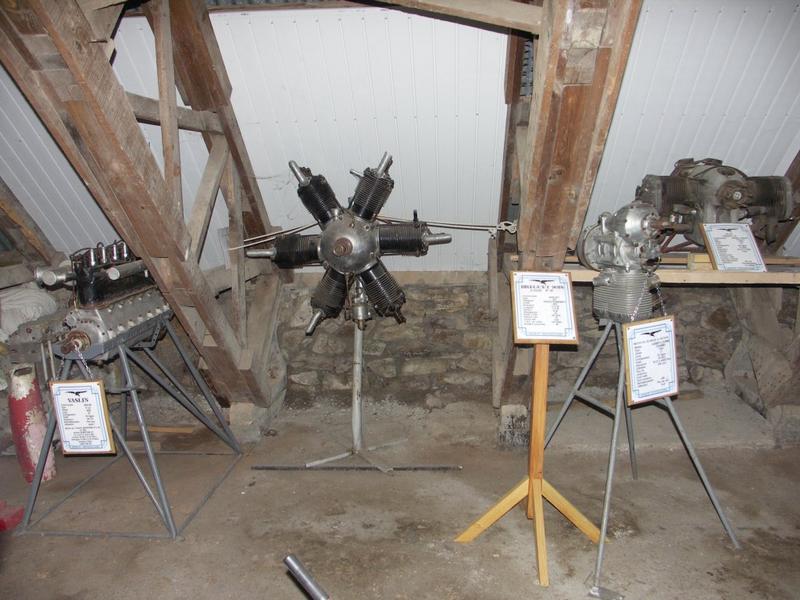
(542, 308)
(651, 363)
(732, 247)
(82, 414)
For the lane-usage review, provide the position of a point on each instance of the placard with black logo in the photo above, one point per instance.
(542, 308)
(83, 418)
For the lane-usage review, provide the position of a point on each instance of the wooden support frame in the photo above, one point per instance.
(500, 13)
(578, 69)
(578, 73)
(50, 48)
(534, 489)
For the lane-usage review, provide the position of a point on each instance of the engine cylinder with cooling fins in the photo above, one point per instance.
(330, 294)
(371, 194)
(773, 195)
(623, 296)
(383, 292)
(318, 197)
(295, 250)
(403, 238)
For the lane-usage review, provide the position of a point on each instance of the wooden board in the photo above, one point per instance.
(503, 13)
(581, 56)
(686, 277)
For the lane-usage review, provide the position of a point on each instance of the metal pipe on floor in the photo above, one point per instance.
(304, 578)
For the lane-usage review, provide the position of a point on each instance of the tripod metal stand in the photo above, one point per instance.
(622, 408)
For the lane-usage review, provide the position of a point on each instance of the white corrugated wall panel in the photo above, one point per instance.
(719, 78)
(332, 89)
(335, 88)
(41, 177)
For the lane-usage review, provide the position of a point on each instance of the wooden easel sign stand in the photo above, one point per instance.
(544, 313)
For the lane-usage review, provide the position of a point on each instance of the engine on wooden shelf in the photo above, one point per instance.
(626, 246)
(351, 244)
(707, 191)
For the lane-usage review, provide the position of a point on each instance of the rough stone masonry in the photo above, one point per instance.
(444, 352)
(440, 355)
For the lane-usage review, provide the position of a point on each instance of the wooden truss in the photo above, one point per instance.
(58, 52)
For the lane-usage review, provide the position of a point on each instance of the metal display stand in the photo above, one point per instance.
(621, 407)
(144, 340)
(360, 313)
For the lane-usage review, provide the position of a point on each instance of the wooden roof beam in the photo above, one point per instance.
(501, 13)
(204, 81)
(12, 208)
(147, 111)
(580, 59)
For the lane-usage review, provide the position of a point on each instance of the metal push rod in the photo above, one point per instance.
(304, 578)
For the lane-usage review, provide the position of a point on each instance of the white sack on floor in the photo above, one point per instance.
(21, 304)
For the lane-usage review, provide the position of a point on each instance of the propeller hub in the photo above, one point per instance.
(349, 244)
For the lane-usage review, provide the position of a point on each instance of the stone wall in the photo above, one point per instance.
(440, 355)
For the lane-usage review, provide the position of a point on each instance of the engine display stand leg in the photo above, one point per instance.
(148, 446)
(357, 425)
(595, 590)
(534, 488)
(576, 392)
(622, 410)
(357, 415)
(667, 403)
(627, 409)
(158, 496)
(47, 443)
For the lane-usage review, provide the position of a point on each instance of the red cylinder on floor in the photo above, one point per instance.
(28, 422)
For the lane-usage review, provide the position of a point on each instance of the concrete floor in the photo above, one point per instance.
(369, 535)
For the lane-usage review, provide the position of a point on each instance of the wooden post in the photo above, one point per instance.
(534, 488)
(168, 103)
(539, 373)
